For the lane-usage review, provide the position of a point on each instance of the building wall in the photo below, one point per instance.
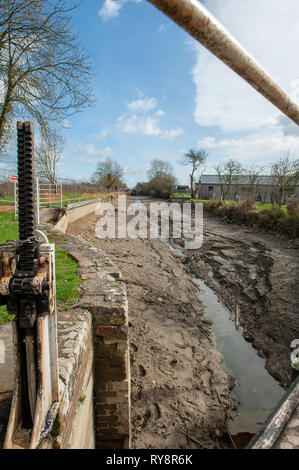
(210, 191)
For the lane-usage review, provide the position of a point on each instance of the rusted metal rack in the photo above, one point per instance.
(27, 288)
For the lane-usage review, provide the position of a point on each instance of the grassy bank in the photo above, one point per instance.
(67, 281)
(284, 220)
(7, 201)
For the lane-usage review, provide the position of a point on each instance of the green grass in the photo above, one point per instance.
(67, 280)
(264, 216)
(7, 201)
(65, 203)
(260, 205)
(8, 231)
(181, 194)
(67, 195)
(8, 226)
(268, 205)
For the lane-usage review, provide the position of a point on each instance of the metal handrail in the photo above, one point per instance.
(203, 26)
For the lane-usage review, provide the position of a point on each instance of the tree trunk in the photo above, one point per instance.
(191, 186)
(3, 117)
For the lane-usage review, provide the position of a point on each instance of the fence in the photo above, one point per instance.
(6, 187)
(47, 195)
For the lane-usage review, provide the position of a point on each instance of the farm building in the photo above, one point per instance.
(241, 187)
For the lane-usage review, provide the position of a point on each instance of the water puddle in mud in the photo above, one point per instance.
(255, 390)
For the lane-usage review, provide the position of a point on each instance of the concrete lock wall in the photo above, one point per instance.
(93, 353)
(78, 210)
(105, 299)
(74, 425)
(6, 358)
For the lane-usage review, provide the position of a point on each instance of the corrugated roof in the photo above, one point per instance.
(240, 179)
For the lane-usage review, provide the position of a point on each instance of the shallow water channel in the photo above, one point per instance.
(255, 389)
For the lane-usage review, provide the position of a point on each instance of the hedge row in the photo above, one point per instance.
(247, 213)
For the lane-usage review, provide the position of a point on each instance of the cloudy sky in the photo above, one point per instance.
(160, 93)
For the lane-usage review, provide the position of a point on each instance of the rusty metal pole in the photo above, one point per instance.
(27, 288)
(199, 23)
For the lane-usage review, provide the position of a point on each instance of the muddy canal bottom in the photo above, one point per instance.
(255, 393)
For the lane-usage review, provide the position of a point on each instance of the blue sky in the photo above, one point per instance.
(159, 93)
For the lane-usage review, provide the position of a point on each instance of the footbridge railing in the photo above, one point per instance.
(202, 26)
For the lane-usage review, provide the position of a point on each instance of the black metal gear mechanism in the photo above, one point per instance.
(27, 250)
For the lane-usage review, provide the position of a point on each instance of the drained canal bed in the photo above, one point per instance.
(255, 393)
(176, 368)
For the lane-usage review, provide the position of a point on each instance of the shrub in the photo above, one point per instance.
(160, 186)
(271, 218)
(293, 208)
(245, 212)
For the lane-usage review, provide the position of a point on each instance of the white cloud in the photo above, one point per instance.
(142, 105)
(92, 150)
(101, 135)
(135, 124)
(269, 30)
(163, 27)
(264, 147)
(66, 124)
(173, 133)
(146, 125)
(287, 126)
(6, 166)
(111, 8)
(137, 121)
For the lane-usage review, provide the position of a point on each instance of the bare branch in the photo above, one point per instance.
(196, 158)
(44, 72)
(285, 178)
(109, 174)
(159, 168)
(47, 156)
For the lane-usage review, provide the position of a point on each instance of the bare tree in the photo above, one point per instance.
(48, 154)
(159, 168)
(253, 179)
(161, 180)
(109, 174)
(285, 177)
(228, 174)
(196, 158)
(43, 72)
(221, 178)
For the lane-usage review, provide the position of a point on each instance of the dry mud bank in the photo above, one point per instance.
(180, 393)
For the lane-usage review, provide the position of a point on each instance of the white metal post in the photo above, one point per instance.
(15, 197)
(60, 194)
